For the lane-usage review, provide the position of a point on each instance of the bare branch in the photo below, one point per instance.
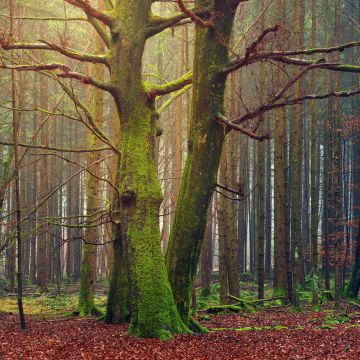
(265, 108)
(231, 125)
(332, 67)
(66, 73)
(92, 122)
(47, 67)
(87, 80)
(44, 147)
(296, 78)
(95, 59)
(326, 50)
(47, 18)
(189, 13)
(92, 12)
(73, 54)
(282, 56)
(253, 47)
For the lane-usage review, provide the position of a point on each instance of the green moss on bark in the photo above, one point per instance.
(153, 311)
(206, 138)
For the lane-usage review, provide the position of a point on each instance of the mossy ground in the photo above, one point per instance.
(48, 307)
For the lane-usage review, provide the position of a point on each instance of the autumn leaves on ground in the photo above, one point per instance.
(268, 332)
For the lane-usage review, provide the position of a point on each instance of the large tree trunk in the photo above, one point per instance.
(153, 310)
(205, 140)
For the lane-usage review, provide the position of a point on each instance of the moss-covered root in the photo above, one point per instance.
(166, 324)
(197, 328)
(93, 311)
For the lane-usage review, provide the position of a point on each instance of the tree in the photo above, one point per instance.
(205, 140)
(124, 29)
(211, 66)
(139, 277)
(88, 268)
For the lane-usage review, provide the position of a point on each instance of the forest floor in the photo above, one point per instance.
(280, 333)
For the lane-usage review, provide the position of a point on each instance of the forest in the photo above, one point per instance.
(179, 179)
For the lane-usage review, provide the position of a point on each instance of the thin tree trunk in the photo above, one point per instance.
(17, 204)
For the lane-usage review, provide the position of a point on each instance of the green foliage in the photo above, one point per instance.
(208, 298)
(336, 319)
(305, 295)
(252, 328)
(325, 327)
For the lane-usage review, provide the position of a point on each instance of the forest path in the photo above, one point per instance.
(265, 335)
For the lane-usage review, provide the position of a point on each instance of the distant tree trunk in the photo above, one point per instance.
(69, 208)
(252, 210)
(206, 261)
(167, 204)
(41, 256)
(177, 139)
(34, 186)
(337, 206)
(76, 210)
(242, 211)
(118, 304)
(230, 219)
(268, 208)
(17, 203)
(222, 228)
(260, 174)
(314, 166)
(93, 196)
(282, 280)
(297, 129)
(326, 169)
(11, 248)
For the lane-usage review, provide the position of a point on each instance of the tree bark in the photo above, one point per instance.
(153, 311)
(205, 141)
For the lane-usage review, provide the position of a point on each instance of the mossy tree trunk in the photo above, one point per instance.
(353, 286)
(153, 310)
(207, 254)
(205, 141)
